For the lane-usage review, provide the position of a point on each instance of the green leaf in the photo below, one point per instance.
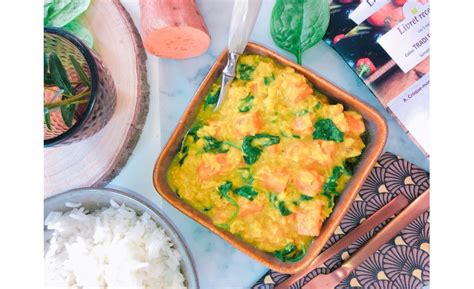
(245, 71)
(58, 73)
(47, 118)
(67, 112)
(252, 146)
(211, 98)
(224, 190)
(268, 79)
(290, 253)
(212, 145)
(279, 205)
(304, 197)
(46, 10)
(330, 187)
(64, 11)
(81, 32)
(247, 192)
(80, 71)
(184, 149)
(246, 103)
(325, 129)
(297, 25)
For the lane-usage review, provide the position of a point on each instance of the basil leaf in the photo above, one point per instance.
(80, 71)
(79, 30)
(245, 71)
(224, 190)
(247, 192)
(58, 73)
(212, 145)
(304, 197)
(246, 103)
(297, 25)
(325, 129)
(66, 11)
(47, 118)
(252, 146)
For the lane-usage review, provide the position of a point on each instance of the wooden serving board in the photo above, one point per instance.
(96, 160)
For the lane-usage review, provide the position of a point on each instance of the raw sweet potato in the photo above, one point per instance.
(173, 29)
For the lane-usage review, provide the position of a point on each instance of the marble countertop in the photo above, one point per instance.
(173, 83)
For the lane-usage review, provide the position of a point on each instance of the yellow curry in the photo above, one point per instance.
(269, 163)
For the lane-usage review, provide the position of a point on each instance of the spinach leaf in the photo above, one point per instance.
(290, 253)
(296, 136)
(247, 192)
(284, 211)
(246, 103)
(207, 209)
(279, 205)
(212, 145)
(330, 187)
(252, 146)
(211, 98)
(268, 79)
(304, 197)
(79, 30)
(245, 71)
(297, 25)
(183, 151)
(224, 190)
(64, 12)
(325, 129)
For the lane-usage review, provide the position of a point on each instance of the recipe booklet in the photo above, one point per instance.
(386, 42)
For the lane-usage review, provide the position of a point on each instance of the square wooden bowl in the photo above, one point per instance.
(374, 138)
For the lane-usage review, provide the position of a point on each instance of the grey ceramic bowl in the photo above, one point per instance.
(96, 198)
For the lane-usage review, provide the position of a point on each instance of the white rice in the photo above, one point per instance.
(109, 248)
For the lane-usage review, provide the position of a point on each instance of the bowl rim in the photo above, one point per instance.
(153, 208)
(94, 82)
(368, 160)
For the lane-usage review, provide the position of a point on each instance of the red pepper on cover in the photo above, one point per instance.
(399, 2)
(365, 67)
(337, 38)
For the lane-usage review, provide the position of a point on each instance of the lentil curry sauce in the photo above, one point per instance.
(269, 163)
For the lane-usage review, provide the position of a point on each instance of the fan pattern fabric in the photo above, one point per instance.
(403, 262)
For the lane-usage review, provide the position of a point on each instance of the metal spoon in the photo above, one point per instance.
(244, 15)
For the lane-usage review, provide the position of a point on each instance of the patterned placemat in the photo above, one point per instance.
(403, 262)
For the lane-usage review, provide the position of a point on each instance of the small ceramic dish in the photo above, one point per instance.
(96, 198)
(374, 138)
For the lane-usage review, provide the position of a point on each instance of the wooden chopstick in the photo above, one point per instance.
(387, 211)
(412, 211)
